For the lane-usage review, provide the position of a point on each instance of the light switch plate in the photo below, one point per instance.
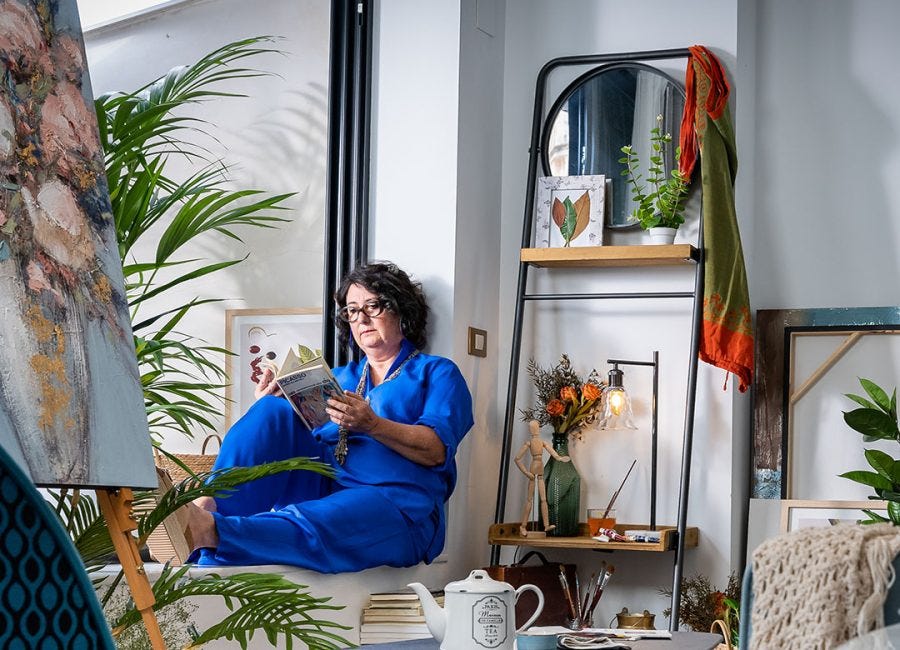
(477, 342)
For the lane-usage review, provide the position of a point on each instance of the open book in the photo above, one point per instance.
(307, 382)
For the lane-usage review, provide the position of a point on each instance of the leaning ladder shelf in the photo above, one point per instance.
(601, 256)
(675, 538)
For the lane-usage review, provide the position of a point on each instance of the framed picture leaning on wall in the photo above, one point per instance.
(260, 336)
(569, 211)
(797, 514)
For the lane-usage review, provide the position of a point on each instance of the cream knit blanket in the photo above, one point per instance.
(819, 587)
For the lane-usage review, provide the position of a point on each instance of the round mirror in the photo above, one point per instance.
(602, 111)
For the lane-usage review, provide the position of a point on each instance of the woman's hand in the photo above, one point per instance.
(416, 442)
(352, 412)
(267, 385)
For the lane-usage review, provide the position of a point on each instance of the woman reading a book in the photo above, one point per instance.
(391, 440)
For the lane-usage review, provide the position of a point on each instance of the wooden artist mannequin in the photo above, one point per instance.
(536, 476)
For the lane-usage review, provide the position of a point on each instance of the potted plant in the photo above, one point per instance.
(660, 200)
(705, 607)
(181, 376)
(876, 419)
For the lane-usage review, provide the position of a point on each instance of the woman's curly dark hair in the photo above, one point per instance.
(400, 294)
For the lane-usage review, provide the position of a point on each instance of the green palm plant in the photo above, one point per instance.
(141, 132)
(263, 602)
(181, 377)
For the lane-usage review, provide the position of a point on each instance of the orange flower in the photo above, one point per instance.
(591, 392)
(718, 599)
(568, 394)
(555, 408)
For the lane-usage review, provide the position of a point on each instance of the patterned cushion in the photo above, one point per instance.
(46, 598)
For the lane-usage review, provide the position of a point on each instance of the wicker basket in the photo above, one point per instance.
(171, 541)
(197, 463)
(722, 627)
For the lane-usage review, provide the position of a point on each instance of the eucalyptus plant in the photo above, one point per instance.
(141, 133)
(876, 419)
(659, 202)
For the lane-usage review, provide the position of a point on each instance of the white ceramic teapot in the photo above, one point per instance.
(479, 612)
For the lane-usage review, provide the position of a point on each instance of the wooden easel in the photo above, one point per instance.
(116, 506)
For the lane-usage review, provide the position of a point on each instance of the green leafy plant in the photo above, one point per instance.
(263, 602)
(141, 133)
(660, 200)
(876, 419)
(702, 603)
(181, 377)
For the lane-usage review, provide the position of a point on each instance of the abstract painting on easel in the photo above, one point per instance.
(71, 407)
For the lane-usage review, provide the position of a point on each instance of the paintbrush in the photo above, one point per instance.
(565, 587)
(616, 493)
(578, 608)
(601, 587)
(587, 594)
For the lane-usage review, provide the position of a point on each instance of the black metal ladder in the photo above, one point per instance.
(523, 297)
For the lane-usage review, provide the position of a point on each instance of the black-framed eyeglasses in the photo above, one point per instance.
(372, 308)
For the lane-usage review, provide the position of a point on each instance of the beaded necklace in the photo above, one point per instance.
(341, 449)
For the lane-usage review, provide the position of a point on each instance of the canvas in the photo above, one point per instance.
(71, 405)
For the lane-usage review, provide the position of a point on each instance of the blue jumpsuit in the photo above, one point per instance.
(380, 509)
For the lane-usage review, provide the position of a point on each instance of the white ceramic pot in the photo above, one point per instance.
(479, 612)
(660, 235)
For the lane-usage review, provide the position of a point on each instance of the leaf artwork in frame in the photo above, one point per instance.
(570, 211)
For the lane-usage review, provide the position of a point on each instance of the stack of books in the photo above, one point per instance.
(395, 616)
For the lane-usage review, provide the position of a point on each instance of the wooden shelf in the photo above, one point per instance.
(625, 256)
(508, 534)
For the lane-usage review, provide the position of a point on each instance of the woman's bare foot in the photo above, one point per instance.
(206, 503)
(202, 528)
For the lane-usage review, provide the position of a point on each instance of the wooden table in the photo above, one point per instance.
(680, 641)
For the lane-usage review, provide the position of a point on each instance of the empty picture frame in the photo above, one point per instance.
(570, 211)
(773, 389)
(259, 336)
(797, 514)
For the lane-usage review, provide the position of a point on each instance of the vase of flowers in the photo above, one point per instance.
(659, 201)
(566, 402)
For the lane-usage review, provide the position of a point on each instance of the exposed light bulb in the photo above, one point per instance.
(617, 405)
(617, 401)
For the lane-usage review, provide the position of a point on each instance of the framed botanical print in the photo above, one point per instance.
(260, 337)
(570, 211)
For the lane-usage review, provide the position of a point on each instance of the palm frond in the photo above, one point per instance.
(220, 484)
(140, 132)
(259, 602)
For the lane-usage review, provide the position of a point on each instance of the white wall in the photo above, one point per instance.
(274, 138)
(819, 138)
(826, 154)
(535, 33)
(436, 169)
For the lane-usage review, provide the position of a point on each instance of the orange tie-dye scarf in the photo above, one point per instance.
(727, 330)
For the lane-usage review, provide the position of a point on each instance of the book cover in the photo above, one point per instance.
(307, 384)
(402, 595)
(394, 616)
(399, 604)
